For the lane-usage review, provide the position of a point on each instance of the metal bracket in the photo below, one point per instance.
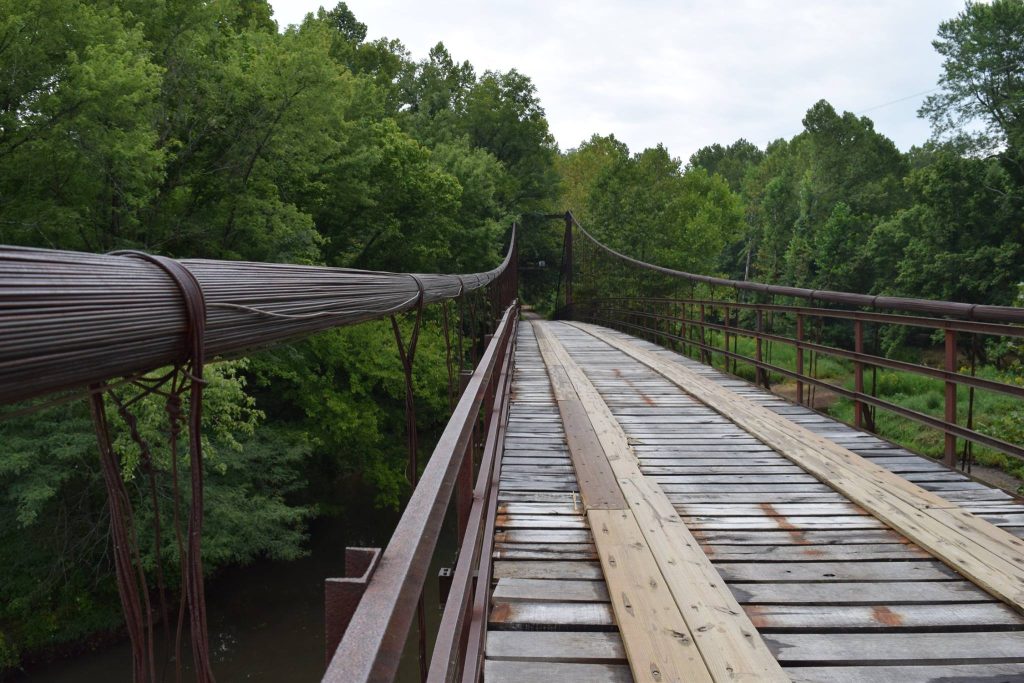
(444, 585)
(342, 595)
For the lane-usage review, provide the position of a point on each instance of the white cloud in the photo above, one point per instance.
(685, 73)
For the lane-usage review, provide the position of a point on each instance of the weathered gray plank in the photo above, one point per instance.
(858, 593)
(530, 569)
(833, 572)
(883, 648)
(841, 618)
(550, 590)
(949, 673)
(568, 646)
(496, 671)
(811, 553)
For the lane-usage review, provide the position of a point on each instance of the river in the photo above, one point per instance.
(266, 620)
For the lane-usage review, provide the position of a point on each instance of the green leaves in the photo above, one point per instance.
(983, 78)
(645, 205)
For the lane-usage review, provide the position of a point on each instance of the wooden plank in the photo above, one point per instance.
(739, 509)
(843, 618)
(595, 477)
(766, 554)
(547, 570)
(497, 671)
(659, 644)
(544, 536)
(781, 522)
(990, 556)
(833, 572)
(555, 551)
(540, 522)
(884, 648)
(797, 537)
(949, 673)
(569, 646)
(859, 593)
(549, 590)
(551, 616)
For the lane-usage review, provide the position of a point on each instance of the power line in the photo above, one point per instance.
(897, 101)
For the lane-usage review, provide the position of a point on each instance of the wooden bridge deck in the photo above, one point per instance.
(833, 592)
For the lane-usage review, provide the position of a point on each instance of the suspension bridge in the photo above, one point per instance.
(632, 500)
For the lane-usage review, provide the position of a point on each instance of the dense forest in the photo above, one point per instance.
(198, 128)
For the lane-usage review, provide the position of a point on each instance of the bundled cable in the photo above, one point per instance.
(68, 319)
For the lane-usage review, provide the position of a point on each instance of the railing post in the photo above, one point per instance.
(705, 353)
(725, 346)
(568, 259)
(799, 358)
(682, 329)
(858, 373)
(464, 482)
(950, 453)
(342, 596)
(760, 374)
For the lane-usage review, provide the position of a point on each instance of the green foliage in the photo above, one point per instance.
(347, 388)
(982, 78)
(55, 572)
(646, 206)
(198, 129)
(732, 162)
(961, 240)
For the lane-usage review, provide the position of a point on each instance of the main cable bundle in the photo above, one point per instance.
(68, 319)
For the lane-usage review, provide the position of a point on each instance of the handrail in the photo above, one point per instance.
(895, 303)
(68, 319)
(460, 637)
(606, 292)
(372, 645)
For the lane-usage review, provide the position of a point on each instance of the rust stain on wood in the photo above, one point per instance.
(780, 521)
(755, 616)
(500, 613)
(647, 399)
(884, 615)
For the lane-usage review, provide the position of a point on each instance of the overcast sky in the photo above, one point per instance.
(686, 73)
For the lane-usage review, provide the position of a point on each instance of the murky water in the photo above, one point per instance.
(266, 620)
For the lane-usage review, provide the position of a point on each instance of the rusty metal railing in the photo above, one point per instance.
(377, 631)
(707, 317)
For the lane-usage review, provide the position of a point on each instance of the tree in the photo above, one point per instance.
(78, 147)
(961, 240)
(580, 168)
(504, 116)
(982, 78)
(732, 162)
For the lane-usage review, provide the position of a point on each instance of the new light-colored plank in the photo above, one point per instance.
(659, 644)
(990, 556)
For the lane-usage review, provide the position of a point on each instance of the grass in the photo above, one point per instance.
(995, 414)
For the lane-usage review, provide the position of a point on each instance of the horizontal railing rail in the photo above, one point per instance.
(1008, 314)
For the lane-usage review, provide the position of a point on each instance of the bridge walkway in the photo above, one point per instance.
(832, 593)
